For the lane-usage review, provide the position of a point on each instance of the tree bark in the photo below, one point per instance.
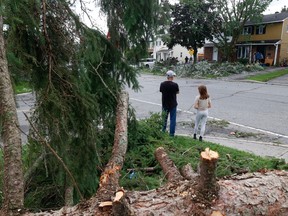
(13, 174)
(170, 170)
(208, 187)
(188, 173)
(109, 178)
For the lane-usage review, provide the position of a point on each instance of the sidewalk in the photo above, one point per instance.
(259, 148)
(255, 147)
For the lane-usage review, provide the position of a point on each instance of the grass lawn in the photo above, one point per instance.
(268, 76)
(183, 150)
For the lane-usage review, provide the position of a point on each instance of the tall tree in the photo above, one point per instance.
(76, 75)
(13, 173)
(284, 9)
(193, 21)
(233, 15)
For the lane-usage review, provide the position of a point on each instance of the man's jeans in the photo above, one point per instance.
(172, 112)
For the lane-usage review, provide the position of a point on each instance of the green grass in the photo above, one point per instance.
(183, 150)
(22, 87)
(268, 76)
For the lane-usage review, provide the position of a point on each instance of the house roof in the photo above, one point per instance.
(271, 18)
(259, 43)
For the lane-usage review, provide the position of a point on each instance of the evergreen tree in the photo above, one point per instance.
(9, 127)
(131, 25)
(76, 75)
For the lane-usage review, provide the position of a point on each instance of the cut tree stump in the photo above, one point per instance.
(207, 182)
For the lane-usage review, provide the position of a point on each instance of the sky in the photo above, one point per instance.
(276, 6)
(98, 19)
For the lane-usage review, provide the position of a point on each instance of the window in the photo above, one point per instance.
(247, 30)
(243, 52)
(261, 29)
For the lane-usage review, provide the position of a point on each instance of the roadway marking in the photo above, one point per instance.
(232, 123)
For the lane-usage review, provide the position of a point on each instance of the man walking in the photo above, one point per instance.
(169, 89)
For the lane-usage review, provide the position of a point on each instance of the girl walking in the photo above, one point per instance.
(202, 104)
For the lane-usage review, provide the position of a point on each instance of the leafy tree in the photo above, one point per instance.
(193, 21)
(284, 9)
(234, 14)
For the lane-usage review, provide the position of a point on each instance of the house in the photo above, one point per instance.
(162, 52)
(268, 38)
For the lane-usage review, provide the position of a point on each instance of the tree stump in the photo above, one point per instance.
(208, 186)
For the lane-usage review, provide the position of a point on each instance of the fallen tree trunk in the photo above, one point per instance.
(109, 180)
(248, 194)
(170, 170)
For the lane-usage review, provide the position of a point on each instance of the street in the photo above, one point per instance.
(257, 106)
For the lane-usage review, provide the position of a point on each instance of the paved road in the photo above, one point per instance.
(260, 107)
(254, 105)
(251, 106)
(25, 104)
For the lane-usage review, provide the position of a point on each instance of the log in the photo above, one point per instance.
(109, 180)
(146, 169)
(170, 170)
(250, 194)
(121, 206)
(188, 173)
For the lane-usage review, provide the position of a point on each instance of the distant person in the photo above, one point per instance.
(259, 57)
(202, 103)
(169, 90)
(254, 57)
(186, 59)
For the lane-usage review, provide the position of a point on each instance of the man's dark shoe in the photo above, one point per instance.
(194, 137)
(200, 138)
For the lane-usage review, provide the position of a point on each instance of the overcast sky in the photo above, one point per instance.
(276, 6)
(100, 20)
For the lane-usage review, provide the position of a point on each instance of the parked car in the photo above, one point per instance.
(147, 62)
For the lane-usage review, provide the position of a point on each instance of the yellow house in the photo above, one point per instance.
(265, 41)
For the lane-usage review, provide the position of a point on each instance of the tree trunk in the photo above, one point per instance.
(170, 170)
(208, 187)
(13, 174)
(109, 178)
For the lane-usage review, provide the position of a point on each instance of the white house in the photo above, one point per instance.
(161, 51)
